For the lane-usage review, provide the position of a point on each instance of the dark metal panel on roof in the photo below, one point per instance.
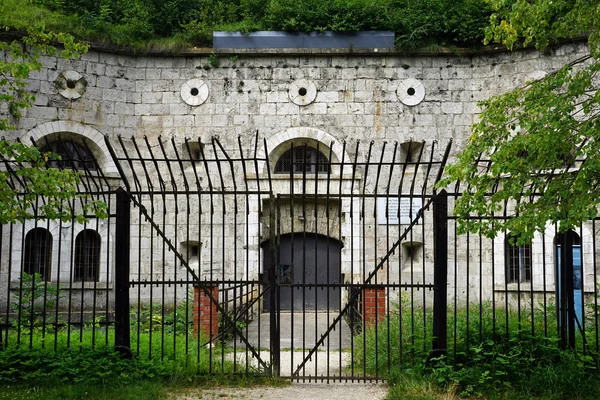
(304, 40)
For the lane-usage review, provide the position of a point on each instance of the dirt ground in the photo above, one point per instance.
(296, 391)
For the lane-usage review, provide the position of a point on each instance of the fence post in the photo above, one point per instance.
(440, 274)
(567, 299)
(122, 261)
(274, 333)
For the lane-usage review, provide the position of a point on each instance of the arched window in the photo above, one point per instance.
(73, 155)
(518, 262)
(38, 253)
(302, 159)
(87, 256)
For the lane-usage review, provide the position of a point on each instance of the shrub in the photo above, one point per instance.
(34, 301)
(136, 22)
(491, 352)
(18, 365)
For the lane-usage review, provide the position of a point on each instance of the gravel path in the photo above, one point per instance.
(297, 391)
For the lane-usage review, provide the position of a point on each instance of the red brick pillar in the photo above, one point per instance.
(206, 314)
(373, 305)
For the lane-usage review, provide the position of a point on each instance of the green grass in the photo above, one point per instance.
(139, 390)
(492, 354)
(174, 353)
(84, 368)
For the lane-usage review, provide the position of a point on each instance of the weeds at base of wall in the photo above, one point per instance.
(100, 373)
(486, 359)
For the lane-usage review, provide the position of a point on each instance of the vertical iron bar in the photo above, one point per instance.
(455, 284)
(274, 306)
(308, 163)
(292, 260)
(595, 317)
(122, 338)
(388, 264)
(440, 274)
(249, 296)
(363, 261)
(1, 254)
(375, 242)
(567, 295)
(354, 166)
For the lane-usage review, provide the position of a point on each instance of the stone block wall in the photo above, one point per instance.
(349, 97)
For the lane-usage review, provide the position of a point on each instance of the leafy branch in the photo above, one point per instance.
(28, 187)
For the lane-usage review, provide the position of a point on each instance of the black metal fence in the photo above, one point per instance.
(305, 261)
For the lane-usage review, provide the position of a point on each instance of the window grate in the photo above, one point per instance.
(87, 256)
(302, 159)
(518, 267)
(38, 253)
(73, 155)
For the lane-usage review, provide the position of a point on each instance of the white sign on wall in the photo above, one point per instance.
(408, 210)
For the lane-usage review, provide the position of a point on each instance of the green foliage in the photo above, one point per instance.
(162, 352)
(58, 187)
(135, 23)
(543, 22)
(213, 60)
(542, 139)
(226, 328)
(142, 390)
(492, 354)
(179, 320)
(22, 58)
(34, 302)
(313, 15)
(92, 366)
(416, 23)
(522, 364)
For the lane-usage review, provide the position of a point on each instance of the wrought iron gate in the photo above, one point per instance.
(207, 228)
(306, 261)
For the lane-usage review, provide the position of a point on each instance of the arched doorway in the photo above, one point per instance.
(308, 272)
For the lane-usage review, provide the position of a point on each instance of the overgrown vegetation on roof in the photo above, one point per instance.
(174, 24)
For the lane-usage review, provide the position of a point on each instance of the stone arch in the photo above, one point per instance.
(77, 132)
(280, 142)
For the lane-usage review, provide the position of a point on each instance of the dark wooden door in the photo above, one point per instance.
(305, 260)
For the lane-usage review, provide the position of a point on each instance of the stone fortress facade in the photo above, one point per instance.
(318, 98)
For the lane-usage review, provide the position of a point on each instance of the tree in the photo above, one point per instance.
(535, 151)
(28, 187)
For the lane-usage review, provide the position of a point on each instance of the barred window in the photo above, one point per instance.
(38, 253)
(302, 159)
(73, 155)
(518, 262)
(87, 256)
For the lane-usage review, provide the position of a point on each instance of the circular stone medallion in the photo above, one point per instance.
(411, 92)
(302, 92)
(71, 84)
(194, 92)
